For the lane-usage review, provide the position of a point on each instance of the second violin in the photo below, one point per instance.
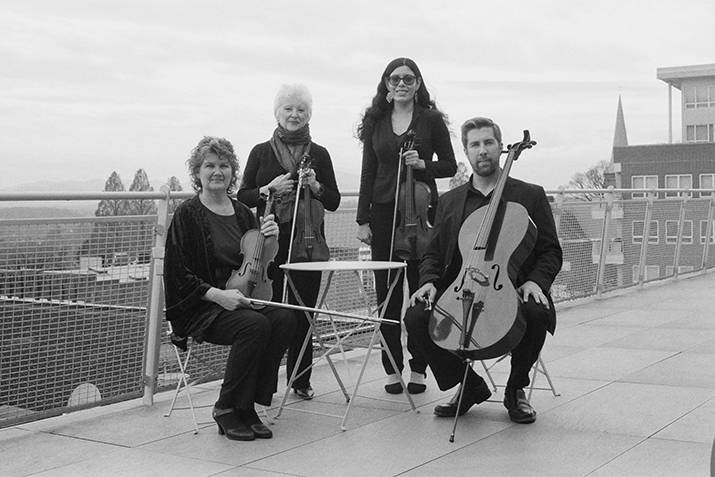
(308, 243)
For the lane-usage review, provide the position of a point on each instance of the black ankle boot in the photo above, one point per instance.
(230, 425)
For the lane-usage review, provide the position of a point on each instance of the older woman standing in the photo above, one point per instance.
(402, 103)
(201, 251)
(274, 165)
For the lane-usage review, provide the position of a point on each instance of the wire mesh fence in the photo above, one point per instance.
(74, 292)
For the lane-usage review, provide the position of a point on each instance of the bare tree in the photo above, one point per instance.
(593, 178)
(461, 177)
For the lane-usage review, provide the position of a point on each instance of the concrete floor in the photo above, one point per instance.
(635, 373)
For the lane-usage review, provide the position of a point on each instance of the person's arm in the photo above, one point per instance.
(547, 248)
(249, 191)
(367, 180)
(432, 262)
(325, 175)
(446, 164)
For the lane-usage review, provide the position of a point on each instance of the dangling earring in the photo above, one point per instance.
(389, 96)
(415, 97)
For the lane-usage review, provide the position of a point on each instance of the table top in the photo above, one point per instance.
(342, 265)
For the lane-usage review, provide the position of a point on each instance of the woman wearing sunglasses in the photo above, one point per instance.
(401, 104)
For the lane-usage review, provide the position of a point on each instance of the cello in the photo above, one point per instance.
(308, 243)
(477, 316)
(411, 234)
(258, 252)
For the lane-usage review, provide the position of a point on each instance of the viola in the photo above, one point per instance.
(477, 316)
(308, 244)
(258, 252)
(412, 227)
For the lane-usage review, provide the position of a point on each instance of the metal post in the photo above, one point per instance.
(679, 240)
(155, 307)
(708, 233)
(646, 238)
(601, 272)
(670, 113)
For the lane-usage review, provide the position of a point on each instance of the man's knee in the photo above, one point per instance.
(416, 319)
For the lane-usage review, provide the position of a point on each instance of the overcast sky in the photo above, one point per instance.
(89, 87)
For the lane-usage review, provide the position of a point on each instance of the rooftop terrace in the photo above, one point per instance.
(635, 372)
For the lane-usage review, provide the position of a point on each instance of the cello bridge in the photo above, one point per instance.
(478, 276)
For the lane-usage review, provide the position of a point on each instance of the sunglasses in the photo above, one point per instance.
(409, 80)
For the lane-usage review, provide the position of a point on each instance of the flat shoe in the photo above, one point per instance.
(415, 388)
(394, 388)
(304, 393)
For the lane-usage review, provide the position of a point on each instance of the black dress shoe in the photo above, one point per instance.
(251, 419)
(230, 425)
(472, 395)
(520, 411)
(416, 388)
(394, 388)
(306, 393)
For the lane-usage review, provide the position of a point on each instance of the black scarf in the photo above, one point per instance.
(289, 147)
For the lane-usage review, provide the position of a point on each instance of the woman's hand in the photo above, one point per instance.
(364, 233)
(308, 177)
(281, 184)
(228, 299)
(269, 228)
(425, 294)
(412, 158)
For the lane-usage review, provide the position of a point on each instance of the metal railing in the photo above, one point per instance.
(81, 300)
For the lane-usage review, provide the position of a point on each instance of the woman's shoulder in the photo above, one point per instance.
(260, 148)
(317, 149)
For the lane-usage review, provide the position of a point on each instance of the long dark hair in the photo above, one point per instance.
(380, 107)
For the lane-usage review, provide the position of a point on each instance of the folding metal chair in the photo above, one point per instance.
(539, 367)
(182, 346)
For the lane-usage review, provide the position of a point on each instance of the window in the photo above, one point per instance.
(681, 269)
(651, 273)
(698, 97)
(643, 182)
(704, 229)
(637, 231)
(699, 133)
(671, 231)
(678, 181)
(707, 181)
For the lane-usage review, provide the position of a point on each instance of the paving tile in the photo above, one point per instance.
(245, 471)
(704, 321)
(605, 363)
(706, 347)
(666, 339)
(657, 457)
(641, 318)
(530, 451)
(586, 336)
(683, 369)
(385, 448)
(696, 426)
(626, 408)
(24, 452)
(134, 462)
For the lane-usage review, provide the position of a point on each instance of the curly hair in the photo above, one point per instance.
(380, 107)
(219, 146)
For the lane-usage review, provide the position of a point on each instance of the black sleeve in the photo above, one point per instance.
(446, 164)
(326, 176)
(547, 249)
(248, 192)
(367, 181)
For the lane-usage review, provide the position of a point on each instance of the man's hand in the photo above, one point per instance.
(364, 233)
(425, 294)
(530, 288)
(227, 299)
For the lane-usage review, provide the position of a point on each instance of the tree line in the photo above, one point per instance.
(114, 207)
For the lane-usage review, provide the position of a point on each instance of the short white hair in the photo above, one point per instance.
(293, 92)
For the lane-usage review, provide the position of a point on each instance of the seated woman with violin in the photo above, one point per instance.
(401, 130)
(274, 166)
(201, 252)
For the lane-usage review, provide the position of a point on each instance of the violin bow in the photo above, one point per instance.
(323, 311)
(303, 159)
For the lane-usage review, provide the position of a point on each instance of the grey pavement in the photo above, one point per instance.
(635, 373)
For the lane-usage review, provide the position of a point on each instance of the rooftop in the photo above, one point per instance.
(634, 371)
(674, 75)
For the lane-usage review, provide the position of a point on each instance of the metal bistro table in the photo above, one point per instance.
(331, 267)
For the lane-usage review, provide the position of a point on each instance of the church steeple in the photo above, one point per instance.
(619, 137)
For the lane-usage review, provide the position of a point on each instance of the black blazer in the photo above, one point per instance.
(541, 266)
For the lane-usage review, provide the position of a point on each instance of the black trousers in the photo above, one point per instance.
(448, 369)
(258, 340)
(308, 286)
(381, 227)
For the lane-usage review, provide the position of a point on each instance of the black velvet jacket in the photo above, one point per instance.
(380, 159)
(541, 266)
(190, 267)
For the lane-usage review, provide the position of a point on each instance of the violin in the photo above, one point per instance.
(258, 252)
(477, 316)
(412, 227)
(308, 243)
